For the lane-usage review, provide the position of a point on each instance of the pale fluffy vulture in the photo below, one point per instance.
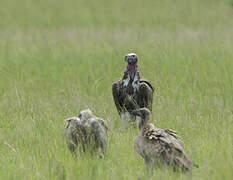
(159, 147)
(131, 92)
(86, 133)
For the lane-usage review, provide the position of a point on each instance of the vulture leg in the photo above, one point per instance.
(148, 163)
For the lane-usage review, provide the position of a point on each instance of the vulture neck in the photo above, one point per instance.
(132, 66)
(132, 69)
(143, 123)
(146, 128)
(131, 76)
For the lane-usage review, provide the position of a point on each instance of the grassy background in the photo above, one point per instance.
(59, 57)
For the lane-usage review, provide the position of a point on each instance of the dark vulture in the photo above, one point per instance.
(86, 133)
(159, 147)
(131, 92)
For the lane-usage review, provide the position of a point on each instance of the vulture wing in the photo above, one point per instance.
(75, 137)
(165, 146)
(145, 95)
(80, 136)
(117, 95)
(103, 123)
(166, 137)
(142, 80)
(98, 135)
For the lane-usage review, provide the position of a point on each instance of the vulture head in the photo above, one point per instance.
(85, 114)
(144, 115)
(132, 60)
(72, 122)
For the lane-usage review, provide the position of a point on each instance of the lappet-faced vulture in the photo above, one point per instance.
(131, 92)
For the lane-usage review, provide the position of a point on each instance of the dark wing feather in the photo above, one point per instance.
(145, 96)
(117, 95)
(142, 80)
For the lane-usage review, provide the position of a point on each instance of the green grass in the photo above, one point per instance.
(59, 57)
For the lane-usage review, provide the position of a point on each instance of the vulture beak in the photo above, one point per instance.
(136, 113)
(80, 116)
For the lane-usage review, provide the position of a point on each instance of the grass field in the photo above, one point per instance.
(59, 57)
